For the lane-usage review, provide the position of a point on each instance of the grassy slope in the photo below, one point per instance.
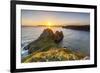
(53, 54)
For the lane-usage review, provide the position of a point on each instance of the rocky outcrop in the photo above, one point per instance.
(47, 39)
(48, 33)
(58, 36)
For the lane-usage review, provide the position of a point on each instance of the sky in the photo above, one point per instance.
(36, 17)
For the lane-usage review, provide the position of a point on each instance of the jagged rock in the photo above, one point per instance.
(48, 33)
(46, 40)
(58, 36)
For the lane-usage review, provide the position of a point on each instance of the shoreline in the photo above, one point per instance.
(78, 27)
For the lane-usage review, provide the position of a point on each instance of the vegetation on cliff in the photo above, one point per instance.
(53, 54)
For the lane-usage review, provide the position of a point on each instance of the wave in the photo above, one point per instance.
(25, 43)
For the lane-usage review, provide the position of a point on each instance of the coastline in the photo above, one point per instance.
(78, 27)
(46, 44)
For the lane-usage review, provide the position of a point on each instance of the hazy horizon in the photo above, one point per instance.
(43, 18)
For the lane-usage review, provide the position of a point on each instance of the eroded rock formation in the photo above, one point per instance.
(47, 39)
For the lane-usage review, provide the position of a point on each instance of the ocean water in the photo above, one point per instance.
(74, 39)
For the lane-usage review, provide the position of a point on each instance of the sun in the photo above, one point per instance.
(49, 24)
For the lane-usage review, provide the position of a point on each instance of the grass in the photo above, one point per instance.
(53, 54)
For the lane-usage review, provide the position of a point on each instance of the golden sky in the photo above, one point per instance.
(34, 18)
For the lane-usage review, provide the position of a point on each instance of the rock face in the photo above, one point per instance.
(48, 33)
(58, 36)
(47, 39)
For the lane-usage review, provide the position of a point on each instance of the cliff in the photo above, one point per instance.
(47, 48)
(47, 39)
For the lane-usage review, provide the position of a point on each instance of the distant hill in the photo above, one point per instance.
(74, 27)
(78, 27)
